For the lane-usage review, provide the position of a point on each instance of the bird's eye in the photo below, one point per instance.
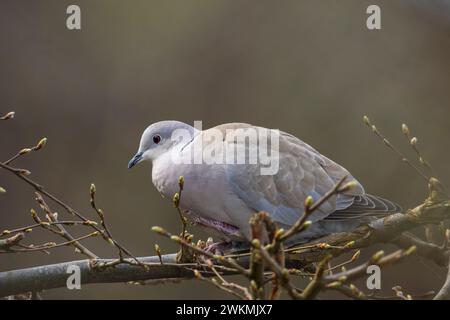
(156, 138)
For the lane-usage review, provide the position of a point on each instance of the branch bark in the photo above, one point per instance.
(55, 275)
(444, 293)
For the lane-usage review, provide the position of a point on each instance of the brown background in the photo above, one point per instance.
(307, 67)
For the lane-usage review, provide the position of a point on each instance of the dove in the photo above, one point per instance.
(221, 194)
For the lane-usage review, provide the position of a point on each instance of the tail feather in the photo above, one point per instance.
(366, 206)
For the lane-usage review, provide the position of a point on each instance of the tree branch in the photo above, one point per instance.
(444, 293)
(55, 275)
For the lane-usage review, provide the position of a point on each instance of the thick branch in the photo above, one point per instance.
(55, 275)
(444, 293)
(425, 249)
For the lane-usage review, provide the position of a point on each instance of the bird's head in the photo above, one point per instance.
(159, 138)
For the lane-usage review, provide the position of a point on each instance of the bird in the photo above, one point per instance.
(222, 196)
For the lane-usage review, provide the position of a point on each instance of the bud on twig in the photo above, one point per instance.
(160, 230)
(35, 216)
(41, 144)
(366, 120)
(306, 224)
(410, 250)
(8, 116)
(181, 182)
(209, 241)
(356, 255)
(309, 201)
(158, 252)
(279, 233)
(405, 129)
(92, 190)
(256, 243)
(323, 245)
(201, 244)
(24, 172)
(348, 186)
(90, 223)
(176, 200)
(334, 285)
(24, 151)
(377, 256)
(349, 244)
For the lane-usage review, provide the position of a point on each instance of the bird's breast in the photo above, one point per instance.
(206, 192)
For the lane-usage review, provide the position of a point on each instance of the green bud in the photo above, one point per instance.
(8, 116)
(181, 182)
(366, 120)
(349, 244)
(41, 144)
(176, 199)
(335, 284)
(256, 243)
(307, 224)
(309, 201)
(159, 230)
(24, 151)
(279, 233)
(410, 250)
(92, 190)
(405, 129)
(377, 256)
(348, 186)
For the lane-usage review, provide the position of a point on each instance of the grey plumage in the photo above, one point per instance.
(222, 197)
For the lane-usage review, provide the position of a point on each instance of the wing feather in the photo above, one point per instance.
(302, 171)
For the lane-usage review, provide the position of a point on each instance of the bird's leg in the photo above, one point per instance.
(227, 247)
(219, 248)
(229, 234)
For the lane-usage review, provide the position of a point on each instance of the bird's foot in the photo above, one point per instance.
(219, 248)
(227, 247)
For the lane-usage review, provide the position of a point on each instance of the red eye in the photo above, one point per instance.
(157, 138)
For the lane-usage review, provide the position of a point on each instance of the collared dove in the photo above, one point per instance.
(223, 196)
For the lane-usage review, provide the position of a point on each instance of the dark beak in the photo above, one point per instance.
(135, 160)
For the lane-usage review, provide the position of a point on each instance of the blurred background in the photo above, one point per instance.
(310, 68)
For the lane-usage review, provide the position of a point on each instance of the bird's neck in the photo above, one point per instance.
(161, 173)
(166, 166)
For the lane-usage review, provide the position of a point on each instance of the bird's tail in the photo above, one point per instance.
(366, 205)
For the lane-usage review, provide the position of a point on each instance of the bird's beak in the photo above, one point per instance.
(135, 160)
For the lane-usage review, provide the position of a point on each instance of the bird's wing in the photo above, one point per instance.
(302, 171)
